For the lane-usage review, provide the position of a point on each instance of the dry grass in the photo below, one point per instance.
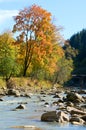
(27, 84)
(31, 84)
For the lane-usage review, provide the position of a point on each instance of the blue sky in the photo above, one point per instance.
(70, 14)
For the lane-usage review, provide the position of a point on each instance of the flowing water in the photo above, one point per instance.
(31, 115)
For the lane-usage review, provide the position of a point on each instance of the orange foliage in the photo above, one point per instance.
(38, 36)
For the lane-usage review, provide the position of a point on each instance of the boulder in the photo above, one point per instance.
(60, 117)
(49, 116)
(69, 104)
(57, 96)
(74, 97)
(21, 106)
(77, 121)
(83, 106)
(76, 111)
(1, 99)
(46, 104)
(27, 95)
(83, 117)
(13, 92)
(54, 103)
(82, 91)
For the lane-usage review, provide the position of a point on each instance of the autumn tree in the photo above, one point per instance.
(36, 37)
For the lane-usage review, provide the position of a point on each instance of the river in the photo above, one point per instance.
(31, 115)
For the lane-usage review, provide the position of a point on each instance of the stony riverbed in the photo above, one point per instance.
(29, 117)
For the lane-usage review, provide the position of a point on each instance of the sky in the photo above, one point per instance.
(69, 14)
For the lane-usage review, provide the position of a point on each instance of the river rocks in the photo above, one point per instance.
(82, 91)
(83, 117)
(27, 95)
(77, 121)
(57, 96)
(13, 92)
(69, 104)
(21, 106)
(42, 93)
(1, 99)
(54, 104)
(74, 97)
(83, 106)
(78, 112)
(49, 116)
(46, 104)
(60, 117)
(69, 109)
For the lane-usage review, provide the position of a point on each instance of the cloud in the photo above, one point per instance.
(7, 14)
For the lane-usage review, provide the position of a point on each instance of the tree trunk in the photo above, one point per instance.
(25, 70)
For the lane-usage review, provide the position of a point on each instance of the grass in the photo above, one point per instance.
(2, 83)
(30, 84)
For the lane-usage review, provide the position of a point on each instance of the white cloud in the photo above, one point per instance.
(7, 14)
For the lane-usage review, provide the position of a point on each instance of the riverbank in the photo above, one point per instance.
(27, 85)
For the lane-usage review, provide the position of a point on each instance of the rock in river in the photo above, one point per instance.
(74, 97)
(51, 116)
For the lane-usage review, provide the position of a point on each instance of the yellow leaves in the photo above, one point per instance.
(60, 51)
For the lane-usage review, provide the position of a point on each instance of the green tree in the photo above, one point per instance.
(65, 68)
(78, 41)
(7, 56)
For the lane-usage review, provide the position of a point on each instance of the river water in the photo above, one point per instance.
(31, 115)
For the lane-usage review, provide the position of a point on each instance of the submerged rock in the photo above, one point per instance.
(28, 127)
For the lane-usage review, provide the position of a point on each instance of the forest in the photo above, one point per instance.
(39, 51)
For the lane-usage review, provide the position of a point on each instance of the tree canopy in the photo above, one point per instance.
(78, 41)
(38, 38)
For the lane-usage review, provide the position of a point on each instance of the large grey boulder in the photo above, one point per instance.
(49, 116)
(60, 117)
